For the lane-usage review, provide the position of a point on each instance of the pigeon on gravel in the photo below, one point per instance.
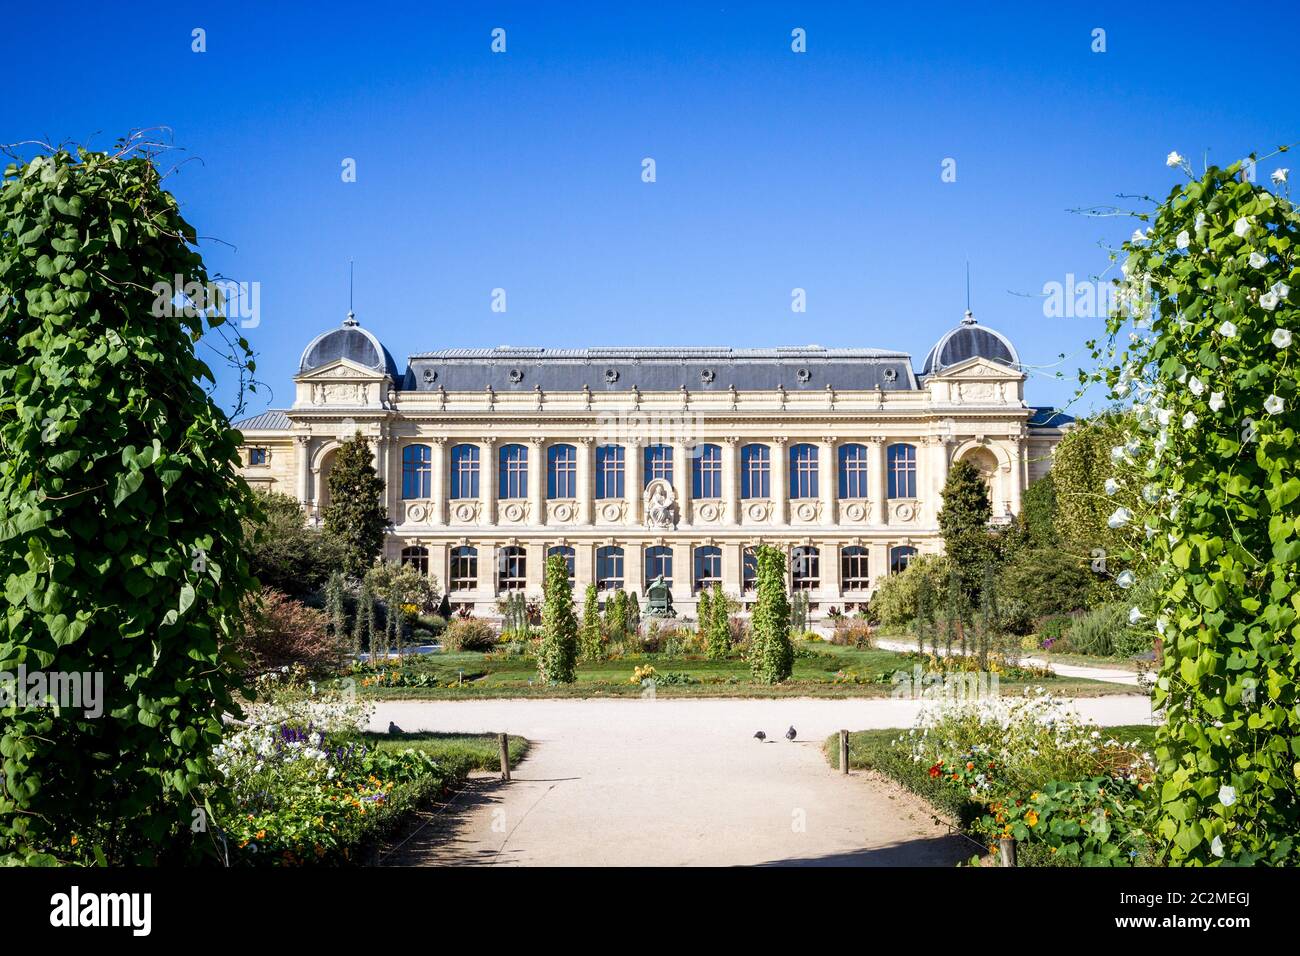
(760, 736)
(393, 728)
(791, 733)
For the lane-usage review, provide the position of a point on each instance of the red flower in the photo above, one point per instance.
(936, 770)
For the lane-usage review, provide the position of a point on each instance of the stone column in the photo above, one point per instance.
(584, 570)
(830, 578)
(732, 569)
(780, 482)
(438, 566)
(303, 444)
(879, 480)
(683, 480)
(1016, 448)
(878, 562)
(632, 481)
(731, 481)
(826, 467)
(438, 487)
(537, 481)
(487, 573)
(586, 483)
(487, 478)
(535, 552)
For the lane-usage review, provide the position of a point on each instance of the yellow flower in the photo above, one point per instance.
(1031, 818)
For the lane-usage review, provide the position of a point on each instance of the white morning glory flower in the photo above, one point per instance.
(1163, 415)
(1189, 420)
(1112, 486)
(1125, 579)
(1257, 261)
(1228, 330)
(1279, 176)
(1184, 240)
(1281, 337)
(1200, 221)
(1196, 386)
(1119, 518)
(1134, 615)
(1150, 531)
(1227, 795)
(1273, 404)
(1173, 159)
(1241, 227)
(1117, 454)
(1268, 301)
(1137, 236)
(1150, 494)
(1280, 289)
(1161, 625)
(1216, 401)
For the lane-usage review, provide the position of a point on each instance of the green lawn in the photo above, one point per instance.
(820, 670)
(462, 752)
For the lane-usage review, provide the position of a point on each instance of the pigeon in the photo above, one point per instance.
(393, 728)
(760, 736)
(791, 733)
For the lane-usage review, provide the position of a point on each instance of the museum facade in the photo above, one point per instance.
(637, 462)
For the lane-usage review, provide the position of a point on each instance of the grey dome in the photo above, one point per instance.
(351, 342)
(966, 341)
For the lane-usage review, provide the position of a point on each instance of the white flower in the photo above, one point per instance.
(1117, 454)
(1279, 176)
(1184, 240)
(1241, 227)
(1227, 795)
(1216, 401)
(1228, 330)
(1112, 486)
(1268, 302)
(1137, 236)
(1281, 337)
(1189, 420)
(1121, 517)
(1163, 415)
(1150, 494)
(1200, 221)
(1125, 579)
(1280, 289)
(1161, 625)
(1273, 404)
(1257, 261)
(1134, 615)
(1216, 846)
(1196, 386)
(1173, 159)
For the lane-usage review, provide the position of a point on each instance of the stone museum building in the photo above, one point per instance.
(637, 462)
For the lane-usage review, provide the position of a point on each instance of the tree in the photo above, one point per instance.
(718, 626)
(363, 625)
(1204, 340)
(1038, 513)
(633, 613)
(771, 657)
(121, 510)
(964, 524)
(703, 612)
(590, 637)
(285, 554)
(558, 654)
(400, 587)
(616, 616)
(336, 612)
(356, 515)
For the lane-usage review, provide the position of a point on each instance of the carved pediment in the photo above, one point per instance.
(978, 369)
(342, 370)
(342, 383)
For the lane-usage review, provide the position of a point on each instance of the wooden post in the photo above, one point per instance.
(844, 751)
(504, 741)
(1007, 850)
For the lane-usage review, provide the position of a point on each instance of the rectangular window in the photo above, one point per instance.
(609, 472)
(803, 471)
(902, 471)
(609, 569)
(853, 472)
(853, 570)
(464, 569)
(707, 480)
(755, 472)
(258, 456)
(464, 471)
(513, 480)
(562, 471)
(658, 463)
(512, 569)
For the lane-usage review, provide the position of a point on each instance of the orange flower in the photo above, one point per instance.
(74, 839)
(1031, 818)
(261, 834)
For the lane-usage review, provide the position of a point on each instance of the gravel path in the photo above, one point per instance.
(616, 782)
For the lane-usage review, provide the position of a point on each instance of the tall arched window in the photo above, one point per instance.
(512, 568)
(464, 569)
(755, 471)
(568, 554)
(417, 471)
(609, 471)
(561, 471)
(854, 570)
(749, 570)
(902, 471)
(513, 479)
(803, 471)
(609, 569)
(899, 558)
(417, 557)
(805, 568)
(853, 472)
(707, 479)
(658, 463)
(464, 471)
(708, 567)
(659, 560)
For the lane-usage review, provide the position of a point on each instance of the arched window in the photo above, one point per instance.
(561, 471)
(512, 568)
(417, 471)
(707, 480)
(659, 560)
(899, 558)
(805, 569)
(417, 557)
(902, 471)
(658, 463)
(854, 574)
(755, 471)
(708, 567)
(749, 570)
(609, 569)
(464, 471)
(513, 480)
(567, 554)
(853, 472)
(803, 471)
(609, 471)
(464, 569)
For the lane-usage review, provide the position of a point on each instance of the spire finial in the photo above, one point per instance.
(352, 316)
(969, 317)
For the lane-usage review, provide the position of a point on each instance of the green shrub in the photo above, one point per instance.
(1042, 582)
(557, 654)
(469, 634)
(894, 603)
(852, 632)
(771, 655)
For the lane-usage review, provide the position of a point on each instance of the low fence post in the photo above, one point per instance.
(844, 751)
(504, 741)
(1007, 846)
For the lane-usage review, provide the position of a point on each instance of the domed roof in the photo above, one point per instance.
(351, 342)
(966, 341)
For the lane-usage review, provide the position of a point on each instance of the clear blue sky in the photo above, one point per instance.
(775, 170)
